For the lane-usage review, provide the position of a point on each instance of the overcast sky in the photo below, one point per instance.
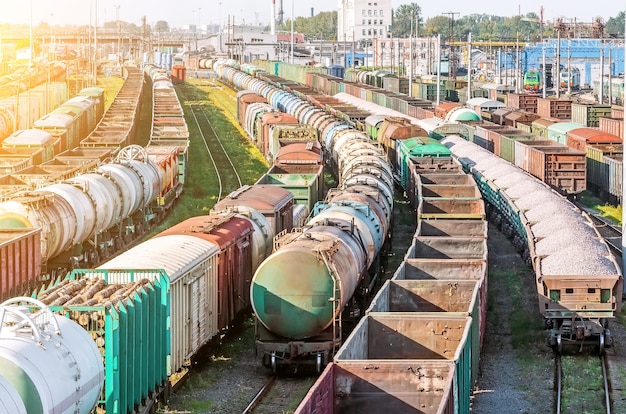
(182, 12)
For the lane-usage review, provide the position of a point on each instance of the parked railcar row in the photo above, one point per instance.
(207, 261)
(579, 283)
(418, 347)
(26, 95)
(336, 252)
(94, 205)
(103, 210)
(590, 158)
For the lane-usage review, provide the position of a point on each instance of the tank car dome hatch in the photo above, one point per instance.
(462, 114)
(51, 361)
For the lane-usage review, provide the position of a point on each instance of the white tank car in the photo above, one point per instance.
(48, 361)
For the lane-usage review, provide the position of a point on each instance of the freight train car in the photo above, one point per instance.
(429, 317)
(89, 205)
(335, 251)
(579, 284)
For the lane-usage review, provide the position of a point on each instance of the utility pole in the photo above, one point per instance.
(451, 60)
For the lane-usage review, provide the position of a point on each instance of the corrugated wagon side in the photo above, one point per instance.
(133, 335)
(20, 261)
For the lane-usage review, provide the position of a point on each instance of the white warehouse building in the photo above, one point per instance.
(363, 19)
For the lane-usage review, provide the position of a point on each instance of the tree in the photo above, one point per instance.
(321, 25)
(615, 25)
(405, 16)
(161, 26)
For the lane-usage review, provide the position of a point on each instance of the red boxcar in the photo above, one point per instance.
(232, 235)
(20, 262)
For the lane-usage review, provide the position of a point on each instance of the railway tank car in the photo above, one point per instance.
(84, 208)
(579, 283)
(48, 363)
(336, 253)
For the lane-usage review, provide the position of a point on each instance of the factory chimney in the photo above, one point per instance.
(312, 11)
(281, 13)
(273, 18)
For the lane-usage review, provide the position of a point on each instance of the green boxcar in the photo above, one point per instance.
(416, 147)
(507, 145)
(305, 182)
(134, 338)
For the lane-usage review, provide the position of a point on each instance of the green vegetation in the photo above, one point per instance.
(582, 385)
(111, 85)
(606, 210)
(201, 188)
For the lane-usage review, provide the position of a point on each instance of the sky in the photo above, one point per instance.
(194, 12)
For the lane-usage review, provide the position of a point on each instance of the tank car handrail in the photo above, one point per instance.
(28, 319)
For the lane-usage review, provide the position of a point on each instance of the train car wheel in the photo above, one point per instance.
(601, 344)
(318, 363)
(273, 362)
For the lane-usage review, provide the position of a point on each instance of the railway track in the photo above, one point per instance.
(582, 385)
(228, 178)
(278, 394)
(611, 232)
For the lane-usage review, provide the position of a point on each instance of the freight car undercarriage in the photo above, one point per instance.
(579, 332)
(572, 331)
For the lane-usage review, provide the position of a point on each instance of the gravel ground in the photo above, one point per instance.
(512, 379)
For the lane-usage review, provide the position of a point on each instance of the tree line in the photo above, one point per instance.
(483, 27)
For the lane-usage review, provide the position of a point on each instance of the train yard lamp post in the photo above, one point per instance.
(623, 171)
(292, 17)
(30, 36)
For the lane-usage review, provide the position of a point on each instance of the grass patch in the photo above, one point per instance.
(614, 213)
(582, 385)
(201, 186)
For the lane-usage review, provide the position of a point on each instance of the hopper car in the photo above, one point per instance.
(579, 283)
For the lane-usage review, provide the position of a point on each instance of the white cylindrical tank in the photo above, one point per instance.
(10, 399)
(46, 210)
(50, 360)
(136, 158)
(129, 183)
(105, 196)
(83, 207)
